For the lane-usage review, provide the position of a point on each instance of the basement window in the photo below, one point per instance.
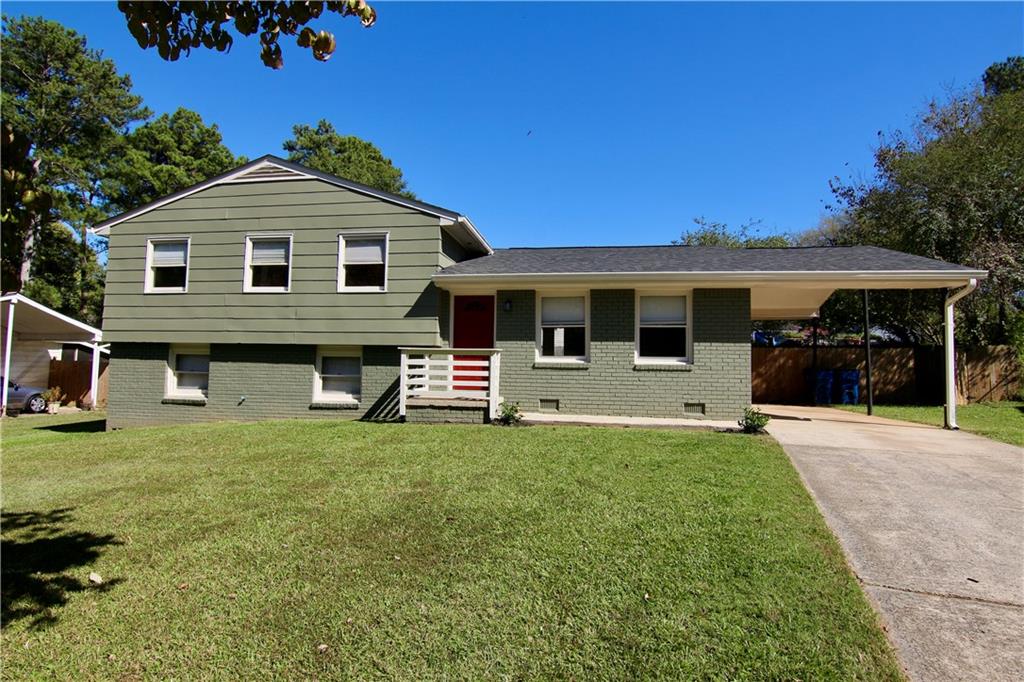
(338, 375)
(188, 372)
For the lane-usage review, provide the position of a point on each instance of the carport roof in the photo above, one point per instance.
(784, 283)
(35, 321)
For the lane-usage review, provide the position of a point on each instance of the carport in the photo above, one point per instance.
(801, 298)
(25, 321)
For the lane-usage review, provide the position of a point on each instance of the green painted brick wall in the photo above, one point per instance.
(610, 384)
(276, 380)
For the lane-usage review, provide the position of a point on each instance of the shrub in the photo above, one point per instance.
(508, 414)
(53, 395)
(753, 420)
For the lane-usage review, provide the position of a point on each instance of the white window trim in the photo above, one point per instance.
(247, 287)
(651, 360)
(342, 236)
(336, 351)
(148, 287)
(539, 357)
(171, 389)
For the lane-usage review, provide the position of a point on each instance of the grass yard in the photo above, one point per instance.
(1000, 421)
(348, 550)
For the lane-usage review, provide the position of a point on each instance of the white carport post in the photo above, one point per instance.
(950, 349)
(94, 377)
(8, 342)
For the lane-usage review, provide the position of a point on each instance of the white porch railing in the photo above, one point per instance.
(450, 373)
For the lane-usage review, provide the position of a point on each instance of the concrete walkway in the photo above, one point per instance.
(637, 422)
(932, 523)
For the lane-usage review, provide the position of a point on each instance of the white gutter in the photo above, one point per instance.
(951, 353)
(856, 278)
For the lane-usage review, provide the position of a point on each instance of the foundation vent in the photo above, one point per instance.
(549, 405)
(693, 408)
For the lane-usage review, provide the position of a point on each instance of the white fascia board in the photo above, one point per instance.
(475, 233)
(852, 279)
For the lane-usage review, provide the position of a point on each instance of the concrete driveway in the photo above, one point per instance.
(932, 523)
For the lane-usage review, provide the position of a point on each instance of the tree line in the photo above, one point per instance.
(80, 146)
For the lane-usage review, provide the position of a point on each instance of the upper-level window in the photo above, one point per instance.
(662, 329)
(188, 372)
(167, 265)
(563, 327)
(363, 262)
(268, 263)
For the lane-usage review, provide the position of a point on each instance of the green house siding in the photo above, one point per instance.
(215, 309)
(276, 382)
(717, 382)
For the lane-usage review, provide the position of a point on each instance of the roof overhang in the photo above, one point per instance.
(851, 279)
(273, 169)
(774, 295)
(35, 322)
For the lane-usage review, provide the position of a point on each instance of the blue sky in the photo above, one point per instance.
(566, 124)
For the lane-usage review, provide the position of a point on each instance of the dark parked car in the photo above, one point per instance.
(25, 398)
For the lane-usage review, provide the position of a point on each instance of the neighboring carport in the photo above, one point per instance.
(26, 323)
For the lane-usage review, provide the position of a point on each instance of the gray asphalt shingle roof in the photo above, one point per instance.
(681, 259)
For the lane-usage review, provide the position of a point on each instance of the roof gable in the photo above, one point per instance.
(270, 168)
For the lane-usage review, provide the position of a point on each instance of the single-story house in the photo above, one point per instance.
(31, 334)
(276, 290)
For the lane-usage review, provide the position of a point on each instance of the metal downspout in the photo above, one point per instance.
(950, 350)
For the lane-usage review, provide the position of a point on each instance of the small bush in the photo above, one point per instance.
(53, 395)
(508, 414)
(753, 420)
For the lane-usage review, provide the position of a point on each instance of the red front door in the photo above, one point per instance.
(472, 327)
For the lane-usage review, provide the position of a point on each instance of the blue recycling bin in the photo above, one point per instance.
(849, 386)
(823, 387)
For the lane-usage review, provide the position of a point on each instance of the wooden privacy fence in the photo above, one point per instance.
(74, 377)
(898, 375)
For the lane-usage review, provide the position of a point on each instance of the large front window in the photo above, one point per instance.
(268, 263)
(563, 327)
(662, 329)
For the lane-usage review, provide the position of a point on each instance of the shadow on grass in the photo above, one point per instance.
(91, 426)
(40, 550)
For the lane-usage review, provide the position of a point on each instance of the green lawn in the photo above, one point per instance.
(419, 552)
(1001, 421)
